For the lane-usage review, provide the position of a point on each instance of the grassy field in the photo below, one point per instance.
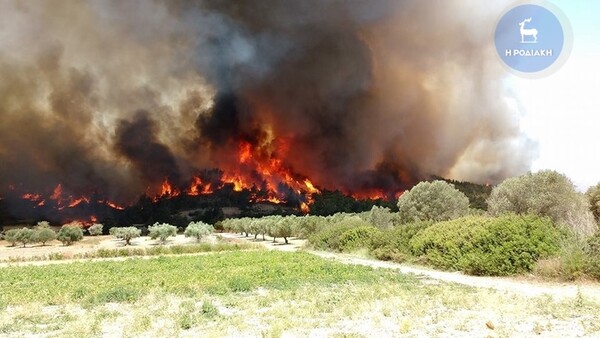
(265, 293)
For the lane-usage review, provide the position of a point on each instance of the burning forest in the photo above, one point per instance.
(132, 111)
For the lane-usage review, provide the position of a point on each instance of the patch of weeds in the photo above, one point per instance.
(56, 256)
(240, 284)
(209, 310)
(115, 295)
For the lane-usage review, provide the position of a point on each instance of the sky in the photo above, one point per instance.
(561, 112)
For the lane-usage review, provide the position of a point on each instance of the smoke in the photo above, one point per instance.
(113, 96)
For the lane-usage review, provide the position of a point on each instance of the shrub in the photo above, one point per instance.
(308, 225)
(44, 234)
(125, 233)
(381, 217)
(593, 195)
(594, 244)
(546, 193)
(162, 231)
(330, 237)
(11, 236)
(25, 236)
(487, 246)
(69, 234)
(95, 229)
(198, 229)
(356, 238)
(393, 244)
(435, 201)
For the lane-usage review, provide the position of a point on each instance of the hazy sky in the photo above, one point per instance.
(562, 111)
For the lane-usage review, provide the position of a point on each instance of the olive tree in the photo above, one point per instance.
(198, 230)
(125, 233)
(284, 227)
(25, 236)
(432, 201)
(162, 231)
(95, 229)
(381, 217)
(44, 234)
(545, 193)
(69, 234)
(11, 236)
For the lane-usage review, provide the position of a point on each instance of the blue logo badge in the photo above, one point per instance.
(531, 39)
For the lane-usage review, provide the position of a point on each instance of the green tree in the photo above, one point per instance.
(44, 235)
(162, 231)
(284, 227)
(593, 195)
(198, 230)
(125, 233)
(69, 234)
(432, 201)
(11, 236)
(545, 193)
(381, 217)
(95, 229)
(25, 236)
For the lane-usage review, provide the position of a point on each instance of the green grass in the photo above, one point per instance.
(131, 251)
(217, 274)
(269, 294)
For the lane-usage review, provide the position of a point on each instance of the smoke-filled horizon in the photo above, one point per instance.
(112, 97)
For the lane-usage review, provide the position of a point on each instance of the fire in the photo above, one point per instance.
(197, 187)
(78, 201)
(304, 207)
(237, 181)
(245, 152)
(32, 197)
(112, 205)
(311, 188)
(370, 195)
(56, 195)
(167, 190)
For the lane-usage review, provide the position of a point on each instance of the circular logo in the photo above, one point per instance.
(531, 40)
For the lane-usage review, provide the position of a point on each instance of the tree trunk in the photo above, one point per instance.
(255, 236)
(263, 237)
(285, 239)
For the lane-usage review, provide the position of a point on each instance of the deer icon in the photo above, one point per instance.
(527, 32)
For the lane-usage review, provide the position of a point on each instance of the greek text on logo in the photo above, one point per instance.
(529, 38)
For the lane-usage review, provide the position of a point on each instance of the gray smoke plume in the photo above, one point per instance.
(363, 94)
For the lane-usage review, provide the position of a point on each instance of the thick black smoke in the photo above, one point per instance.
(137, 141)
(363, 94)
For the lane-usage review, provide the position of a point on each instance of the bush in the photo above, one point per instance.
(435, 201)
(162, 231)
(125, 233)
(357, 238)
(11, 236)
(381, 217)
(546, 193)
(44, 234)
(331, 237)
(25, 236)
(69, 234)
(594, 244)
(95, 229)
(593, 195)
(394, 244)
(198, 229)
(482, 245)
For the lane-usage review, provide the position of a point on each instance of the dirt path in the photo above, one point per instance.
(520, 286)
